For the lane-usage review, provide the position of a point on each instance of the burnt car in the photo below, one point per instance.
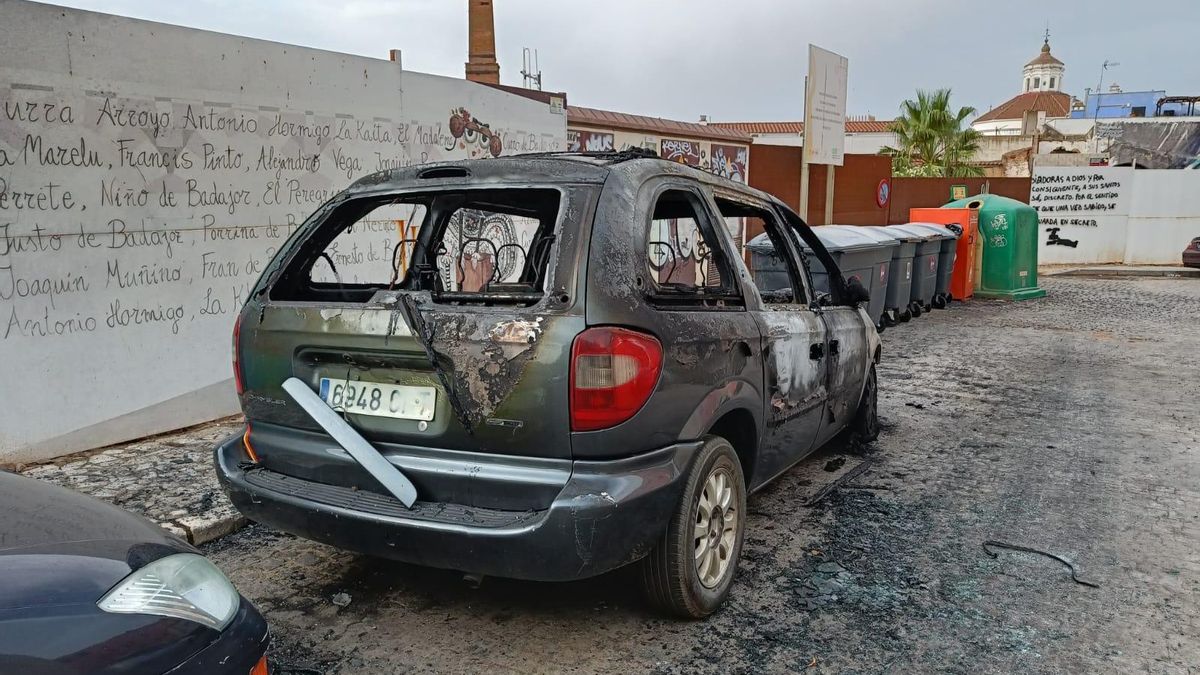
(1191, 254)
(87, 588)
(541, 367)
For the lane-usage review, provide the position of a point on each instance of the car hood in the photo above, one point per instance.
(67, 548)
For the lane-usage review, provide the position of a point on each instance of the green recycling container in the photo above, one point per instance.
(1008, 229)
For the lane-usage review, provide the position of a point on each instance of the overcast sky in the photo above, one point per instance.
(740, 59)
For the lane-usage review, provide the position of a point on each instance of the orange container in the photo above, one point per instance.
(968, 256)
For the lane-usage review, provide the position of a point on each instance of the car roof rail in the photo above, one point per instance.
(605, 156)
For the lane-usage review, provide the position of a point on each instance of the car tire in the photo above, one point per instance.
(865, 426)
(677, 580)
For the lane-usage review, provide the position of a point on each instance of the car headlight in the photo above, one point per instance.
(183, 586)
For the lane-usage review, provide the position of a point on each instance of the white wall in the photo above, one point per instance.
(147, 173)
(1115, 214)
(1164, 215)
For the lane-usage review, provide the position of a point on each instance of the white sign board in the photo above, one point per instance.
(149, 172)
(1083, 213)
(825, 107)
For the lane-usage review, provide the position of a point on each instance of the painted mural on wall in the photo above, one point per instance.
(589, 141)
(473, 135)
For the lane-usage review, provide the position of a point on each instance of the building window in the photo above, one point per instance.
(1051, 82)
(1138, 111)
(1027, 84)
(1037, 83)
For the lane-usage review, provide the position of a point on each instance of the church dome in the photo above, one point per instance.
(1044, 58)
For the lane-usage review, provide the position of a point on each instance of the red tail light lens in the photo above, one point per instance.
(237, 356)
(613, 372)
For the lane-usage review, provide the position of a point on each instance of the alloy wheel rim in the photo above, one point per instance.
(716, 527)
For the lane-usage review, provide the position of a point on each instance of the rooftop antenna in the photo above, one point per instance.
(531, 74)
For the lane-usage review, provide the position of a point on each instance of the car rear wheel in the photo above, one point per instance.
(691, 569)
(866, 419)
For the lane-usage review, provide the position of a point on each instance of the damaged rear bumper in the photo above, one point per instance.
(608, 514)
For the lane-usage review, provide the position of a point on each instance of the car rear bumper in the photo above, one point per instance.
(608, 513)
(235, 651)
(1191, 258)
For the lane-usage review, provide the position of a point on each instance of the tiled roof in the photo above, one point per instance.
(1053, 103)
(852, 127)
(617, 120)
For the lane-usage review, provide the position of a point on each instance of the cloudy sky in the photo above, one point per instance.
(741, 59)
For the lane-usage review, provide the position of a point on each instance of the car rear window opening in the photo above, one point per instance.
(464, 246)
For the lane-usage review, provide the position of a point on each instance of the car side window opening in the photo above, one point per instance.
(683, 256)
(461, 246)
(775, 275)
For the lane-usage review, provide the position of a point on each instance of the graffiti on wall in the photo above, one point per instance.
(589, 141)
(729, 161)
(684, 152)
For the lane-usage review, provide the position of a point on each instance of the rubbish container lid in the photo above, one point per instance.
(926, 230)
(843, 238)
(761, 244)
(872, 231)
(898, 235)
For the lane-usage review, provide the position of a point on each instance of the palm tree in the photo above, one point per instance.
(932, 139)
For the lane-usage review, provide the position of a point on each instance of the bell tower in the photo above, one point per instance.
(1044, 73)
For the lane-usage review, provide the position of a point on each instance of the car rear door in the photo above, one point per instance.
(463, 301)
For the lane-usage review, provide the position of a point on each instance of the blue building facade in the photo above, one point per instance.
(1126, 104)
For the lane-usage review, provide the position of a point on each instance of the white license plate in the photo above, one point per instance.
(401, 401)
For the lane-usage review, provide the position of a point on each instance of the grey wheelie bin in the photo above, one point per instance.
(925, 264)
(949, 247)
(900, 273)
(858, 255)
(769, 271)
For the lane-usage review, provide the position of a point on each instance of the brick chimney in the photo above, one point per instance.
(481, 41)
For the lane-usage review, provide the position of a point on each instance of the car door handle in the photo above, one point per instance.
(834, 348)
(816, 351)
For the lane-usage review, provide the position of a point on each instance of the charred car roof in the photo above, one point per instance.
(553, 167)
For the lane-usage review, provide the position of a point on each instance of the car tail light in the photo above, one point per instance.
(238, 383)
(613, 372)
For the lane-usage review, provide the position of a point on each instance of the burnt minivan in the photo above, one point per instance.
(542, 367)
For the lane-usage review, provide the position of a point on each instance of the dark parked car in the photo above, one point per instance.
(542, 367)
(1191, 254)
(89, 589)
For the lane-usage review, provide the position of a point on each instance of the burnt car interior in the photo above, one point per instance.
(686, 265)
(758, 219)
(462, 246)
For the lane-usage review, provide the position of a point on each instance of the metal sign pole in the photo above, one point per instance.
(804, 150)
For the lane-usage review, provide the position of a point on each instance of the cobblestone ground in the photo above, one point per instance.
(168, 479)
(1066, 424)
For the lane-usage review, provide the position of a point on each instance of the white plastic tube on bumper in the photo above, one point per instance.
(353, 442)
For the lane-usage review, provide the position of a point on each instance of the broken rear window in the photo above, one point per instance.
(461, 246)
